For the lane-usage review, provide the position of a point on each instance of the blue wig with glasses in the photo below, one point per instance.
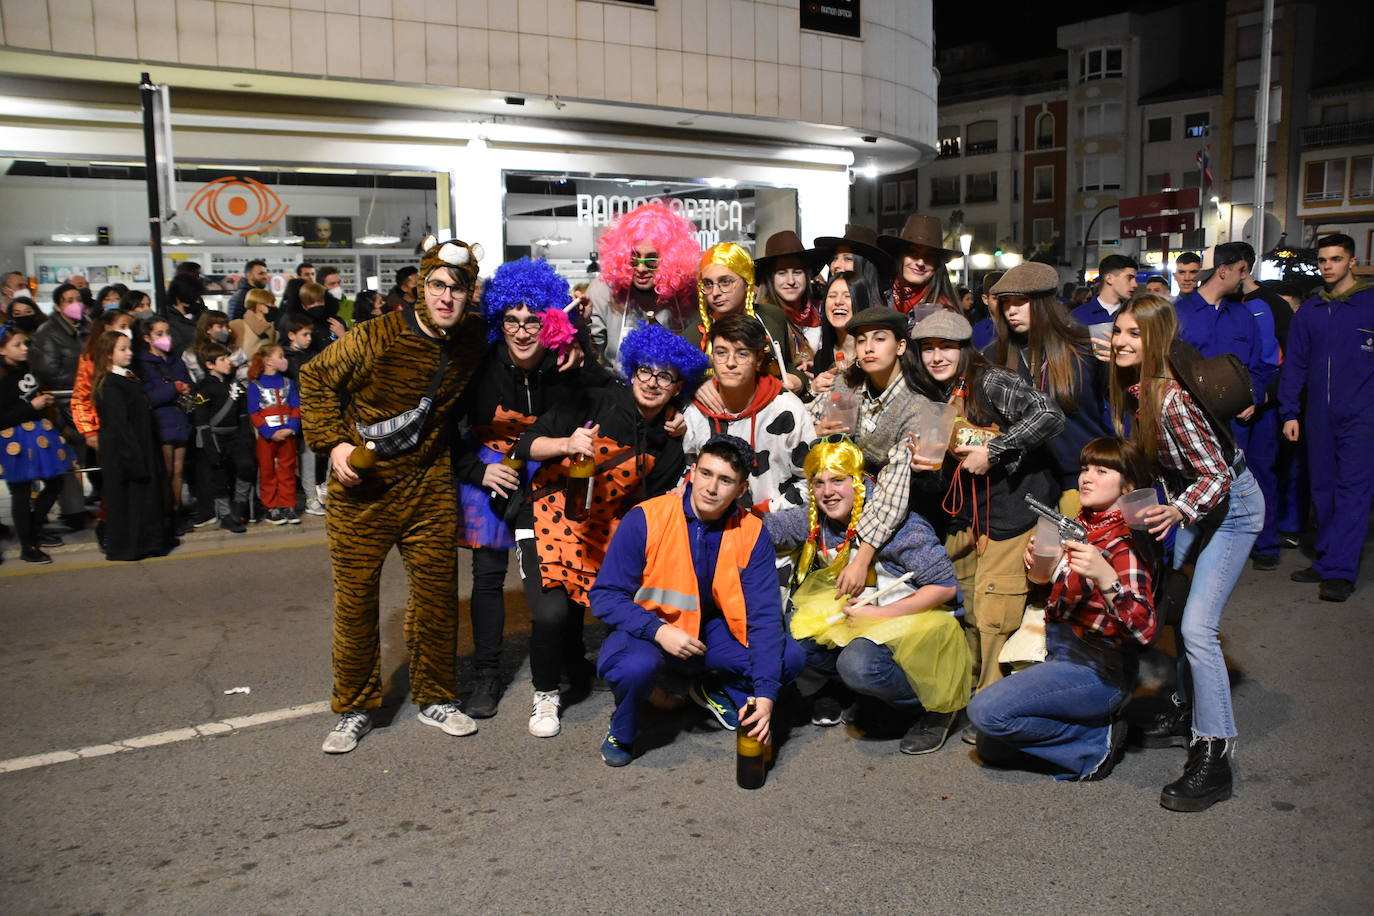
(532, 283)
(652, 346)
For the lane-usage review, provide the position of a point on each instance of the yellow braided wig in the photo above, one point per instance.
(734, 257)
(843, 458)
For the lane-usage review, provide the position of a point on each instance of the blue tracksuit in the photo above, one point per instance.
(630, 660)
(1328, 383)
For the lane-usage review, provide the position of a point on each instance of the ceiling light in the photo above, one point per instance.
(869, 171)
(177, 237)
(721, 182)
(282, 239)
(73, 238)
(549, 241)
(375, 239)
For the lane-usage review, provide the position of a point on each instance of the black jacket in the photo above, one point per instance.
(55, 350)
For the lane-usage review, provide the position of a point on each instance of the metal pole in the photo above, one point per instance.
(1262, 127)
(1087, 234)
(148, 93)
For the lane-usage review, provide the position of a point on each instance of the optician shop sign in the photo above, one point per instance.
(712, 216)
(838, 17)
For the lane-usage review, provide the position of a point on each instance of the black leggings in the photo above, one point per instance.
(555, 625)
(488, 607)
(29, 514)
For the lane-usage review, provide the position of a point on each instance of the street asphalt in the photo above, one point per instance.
(255, 819)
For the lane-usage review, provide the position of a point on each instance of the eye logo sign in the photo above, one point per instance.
(237, 206)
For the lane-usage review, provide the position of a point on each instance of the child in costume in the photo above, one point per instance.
(635, 458)
(907, 651)
(519, 379)
(167, 385)
(31, 449)
(134, 484)
(274, 407)
(1063, 711)
(648, 260)
(393, 382)
(219, 410)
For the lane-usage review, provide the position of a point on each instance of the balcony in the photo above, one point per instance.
(1337, 134)
(949, 149)
(978, 149)
(1321, 197)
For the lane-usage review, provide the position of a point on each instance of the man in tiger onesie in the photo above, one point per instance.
(377, 371)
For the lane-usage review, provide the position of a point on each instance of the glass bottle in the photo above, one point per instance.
(751, 763)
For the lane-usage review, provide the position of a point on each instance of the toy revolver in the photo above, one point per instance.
(1069, 530)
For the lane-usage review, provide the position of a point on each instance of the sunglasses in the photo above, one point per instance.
(834, 439)
(649, 262)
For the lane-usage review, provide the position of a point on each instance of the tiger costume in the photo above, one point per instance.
(378, 370)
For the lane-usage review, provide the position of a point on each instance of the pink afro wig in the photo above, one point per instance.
(673, 237)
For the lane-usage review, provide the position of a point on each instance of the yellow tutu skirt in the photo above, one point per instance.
(929, 646)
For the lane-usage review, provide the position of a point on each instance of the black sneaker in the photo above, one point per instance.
(486, 696)
(34, 555)
(1335, 589)
(1264, 562)
(1289, 540)
(50, 540)
(1306, 575)
(928, 734)
(229, 523)
(826, 712)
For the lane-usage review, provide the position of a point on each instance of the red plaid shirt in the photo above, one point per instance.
(1078, 601)
(1196, 470)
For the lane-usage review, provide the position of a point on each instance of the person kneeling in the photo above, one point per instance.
(1063, 711)
(690, 579)
(905, 652)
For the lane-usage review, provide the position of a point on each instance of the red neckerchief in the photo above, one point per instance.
(808, 317)
(905, 298)
(767, 388)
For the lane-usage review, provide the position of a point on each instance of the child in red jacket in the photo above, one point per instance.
(274, 407)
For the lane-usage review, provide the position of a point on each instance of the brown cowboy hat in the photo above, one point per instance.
(861, 240)
(781, 245)
(920, 229)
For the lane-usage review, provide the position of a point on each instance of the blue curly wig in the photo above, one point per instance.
(531, 283)
(656, 346)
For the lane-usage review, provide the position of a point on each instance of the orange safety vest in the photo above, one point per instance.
(669, 586)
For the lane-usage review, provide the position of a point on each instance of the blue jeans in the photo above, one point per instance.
(1221, 555)
(631, 666)
(1059, 711)
(868, 668)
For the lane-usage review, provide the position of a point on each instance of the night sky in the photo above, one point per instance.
(1029, 33)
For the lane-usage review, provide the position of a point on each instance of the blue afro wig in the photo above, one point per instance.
(655, 346)
(531, 283)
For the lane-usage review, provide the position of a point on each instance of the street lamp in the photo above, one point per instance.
(1087, 234)
(966, 245)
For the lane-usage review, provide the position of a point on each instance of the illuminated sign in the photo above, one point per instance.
(711, 215)
(237, 206)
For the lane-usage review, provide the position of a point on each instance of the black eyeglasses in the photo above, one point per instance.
(724, 284)
(513, 324)
(437, 287)
(662, 377)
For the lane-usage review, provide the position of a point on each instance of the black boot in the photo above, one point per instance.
(1170, 727)
(486, 695)
(1206, 777)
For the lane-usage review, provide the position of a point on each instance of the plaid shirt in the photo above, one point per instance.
(1077, 600)
(1034, 415)
(889, 499)
(1191, 457)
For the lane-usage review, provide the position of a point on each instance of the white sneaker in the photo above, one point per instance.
(345, 736)
(544, 714)
(314, 507)
(449, 717)
(321, 493)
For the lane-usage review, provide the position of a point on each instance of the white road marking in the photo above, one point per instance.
(205, 730)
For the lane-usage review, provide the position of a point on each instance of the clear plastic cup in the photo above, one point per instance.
(1134, 504)
(842, 406)
(1045, 555)
(930, 428)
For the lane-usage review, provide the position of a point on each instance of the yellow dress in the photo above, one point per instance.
(928, 646)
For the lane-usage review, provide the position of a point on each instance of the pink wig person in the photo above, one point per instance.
(673, 238)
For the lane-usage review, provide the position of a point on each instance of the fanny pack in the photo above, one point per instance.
(402, 432)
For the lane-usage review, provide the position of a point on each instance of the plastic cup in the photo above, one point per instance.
(1045, 555)
(931, 427)
(1134, 504)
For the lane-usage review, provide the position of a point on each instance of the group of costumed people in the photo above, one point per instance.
(724, 460)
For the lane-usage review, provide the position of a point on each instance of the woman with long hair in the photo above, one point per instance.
(134, 491)
(784, 274)
(846, 295)
(1218, 509)
(997, 461)
(919, 256)
(1036, 340)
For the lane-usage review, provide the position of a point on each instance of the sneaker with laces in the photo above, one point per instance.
(615, 753)
(321, 493)
(486, 696)
(275, 517)
(713, 700)
(544, 714)
(827, 712)
(344, 737)
(314, 507)
(205, 522)
(449, 717)
(292, 518)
